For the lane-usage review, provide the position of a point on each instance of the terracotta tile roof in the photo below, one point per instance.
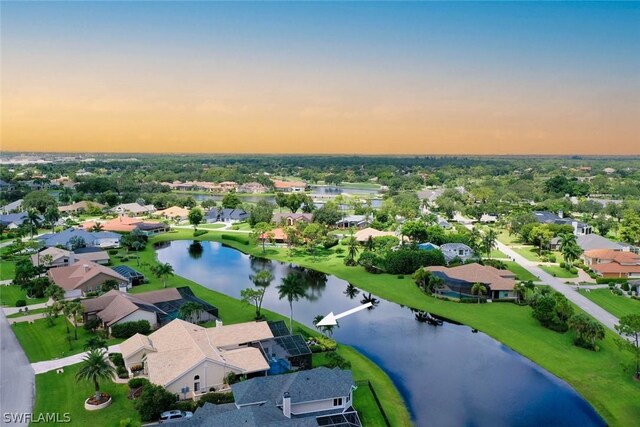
(476, 273)
(173, 212)
(276, 233)
(364, 234)
(611, 255)
(288, 184)
(614, 267)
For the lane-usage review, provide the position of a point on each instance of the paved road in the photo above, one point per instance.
(606, 318)
(50, 365)
(17, 379)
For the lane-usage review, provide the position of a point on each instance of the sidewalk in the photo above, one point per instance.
(13, 310)
(50, 365)
(27, 318)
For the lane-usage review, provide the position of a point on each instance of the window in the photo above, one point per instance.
(337, 401)
(196, 383)
(348, 398)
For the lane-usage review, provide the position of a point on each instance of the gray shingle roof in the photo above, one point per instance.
(62, 238)
(229, 415)
(594, 241)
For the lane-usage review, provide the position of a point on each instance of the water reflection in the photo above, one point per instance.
(196, 250)
(447, 375)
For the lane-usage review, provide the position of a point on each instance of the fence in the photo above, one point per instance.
(367, 383)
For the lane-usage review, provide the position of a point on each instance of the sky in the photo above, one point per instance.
(325, 77)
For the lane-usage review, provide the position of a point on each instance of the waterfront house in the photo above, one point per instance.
(357, 221)
(83, 277)
(134, 209)
(226, 215)
(173, 213)
(289, 186)
(61, 257)
(458, 281)
(99, 239)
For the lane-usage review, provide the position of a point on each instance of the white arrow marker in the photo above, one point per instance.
(331, 319)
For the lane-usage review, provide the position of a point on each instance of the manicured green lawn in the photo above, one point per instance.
(503, 236)
(210, 226)
(594, 375)
(43, 342)
(9, 294)
(25, 313)
(7, 269)
(617, 305)
(556, 271)
(61, 393)
(529, 252)
(498, 254)
(520, 271)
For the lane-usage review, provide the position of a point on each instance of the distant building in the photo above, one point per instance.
(290, 186)
(252, 187)
(456, 250)
(291, 218)
(579, 228)
(79, 207)
(100, 239)
(227, 215)
(12, 207)
(134, 209)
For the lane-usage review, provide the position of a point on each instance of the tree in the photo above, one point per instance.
(325, 329)
(77, 242)
(95, 342)
(294, 201)
(478, 289)
(489, 241)
(292, 288)
(630, 227)
(153, 400)
(261, 232)
(353, 247)
(75, 310)
(95, 368)
(351, 291)
(32, 220)
(253, 296)
(262, 279)
(541, 236)
(231, 200)
(162, 271)
(312, 233)
(262, 212)
(195, 217)
(281, 200)
(39, 201)
(587, 330)
(416, 230)
(54, 292)
(569, 248)
(188, 309)
(97, 227)
(327, 214)
(629, 328)
(51, 215)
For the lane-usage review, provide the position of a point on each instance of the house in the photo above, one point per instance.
(443, 223)
(189, 360)
(227, 215)
(11, 207)
(62, 257)
(79, 207)
(134, 209)
(289, 186)
(126, 224)
(277, 235)
(589, 242)
(579, 228)
(97, 239)
(83, 277)
(174, 213)
(613, 264)
(157, 307)
(428, 246)
(149, 228)
(458, 281)
(371, 233)
(291, 218)
(608, 171)
(252, 187)
(488, 219)
(228, 186)
(317, 397)
(12, 221)
(456, 250)
(357, 221)
(6, 186)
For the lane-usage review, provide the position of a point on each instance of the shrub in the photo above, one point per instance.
(92, 325)
(334, 360)
(199, 233)
(551, 258)
(185, 405)
(153, 400)
(495, 263)
(113, 252)
(232, 378)
(400, 276)
(315, 348)
(116, 359)
(21, 303)
(122, 372)
(573, 270)
(322, 343)
(625, 286)
(215, 398)
(339, 251)
(128, 329)
(563, 265)
(137, 382)
(609, 280)
(137, 367)
(330, 242)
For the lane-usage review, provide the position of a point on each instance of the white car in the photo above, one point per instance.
(174, 416)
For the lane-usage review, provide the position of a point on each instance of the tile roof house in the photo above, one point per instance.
(456, 250)
(366, 233)
(82, 277)
(134, 209)
(612, 264)
(458, 281)
(226, 215)
(62, 257)
(579, 228)
(289, 186)
(80, 207)
(316, 397)
(358, 221)
(157, 307)
(126, 224)
(99, 239)
(291, 218)
(174, 212)
(252, 187)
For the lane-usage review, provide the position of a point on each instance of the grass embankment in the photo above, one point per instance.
(593, 375)
(9, 294)
(618, 305)
(495, 253)
(521, 272)
(557, 271)
(529, 253)
(43, 342)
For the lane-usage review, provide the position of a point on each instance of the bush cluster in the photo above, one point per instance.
(128, 329)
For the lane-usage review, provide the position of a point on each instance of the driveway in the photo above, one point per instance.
(17, 379)
(50, 365)
(606, 318)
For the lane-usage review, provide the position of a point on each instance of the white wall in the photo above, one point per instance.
(316, 406)
(140, 315)
(211, 375)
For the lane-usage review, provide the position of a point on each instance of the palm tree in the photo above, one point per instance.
(95, 368)
(136, 246)
(478, 289)
(54, 292)
(51, 215)
(66, 310)
(162, 271)
(75, 311)
(489, 241)
(326, 329)
(352, 251)
(292, 288)
(351, 291)
(97, 227)
(33, 220)
(569, 248)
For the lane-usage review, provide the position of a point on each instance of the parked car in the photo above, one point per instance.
(174, 416)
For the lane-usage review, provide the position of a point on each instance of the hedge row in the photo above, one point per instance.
(236, 238)
(129, 329)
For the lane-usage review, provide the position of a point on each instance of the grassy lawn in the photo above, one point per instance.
(27, 313)
(498, 254)
(60, 393)
(617, 305)
(210, 226)
(557, 271)
(529, 252)
(7, 269)
(503, 236)
(520, 271)
(594, 375)
(43, 342)
(9, 294)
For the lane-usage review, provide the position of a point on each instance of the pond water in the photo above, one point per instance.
(448, 375)
(324, 190)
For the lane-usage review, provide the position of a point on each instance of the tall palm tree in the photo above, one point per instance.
(137, 246)
(33, 220)
(292, 288)
(75, 311)
(66, 310)
(489, 241)
(352, 251)
(478, 289)
(95, 368)
(162, 271)
(52, 215)
(569, 248)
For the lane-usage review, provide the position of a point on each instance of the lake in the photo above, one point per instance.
(448, 375)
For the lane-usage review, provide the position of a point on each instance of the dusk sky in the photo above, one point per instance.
(365, 78)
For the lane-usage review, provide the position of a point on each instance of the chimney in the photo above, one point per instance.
(86, 267)
(561, 214)
(286, 404)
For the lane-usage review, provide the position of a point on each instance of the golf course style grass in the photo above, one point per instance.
(618, 305)
(593, 374)
(521, 272)
(9, 294)
(558, 271)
